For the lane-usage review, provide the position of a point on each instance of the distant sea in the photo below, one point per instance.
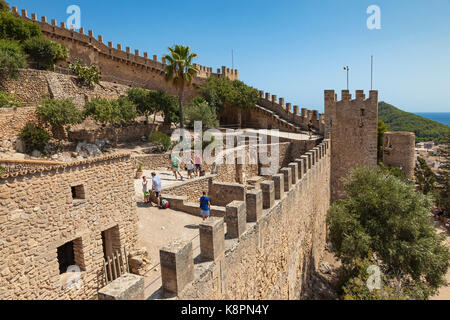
(441, 117)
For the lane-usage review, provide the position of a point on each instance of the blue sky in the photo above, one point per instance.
(291, 48)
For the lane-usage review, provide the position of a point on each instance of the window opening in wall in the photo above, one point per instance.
(66, 257)
(78, 192)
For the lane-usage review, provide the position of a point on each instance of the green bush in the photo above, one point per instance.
(87, 75)
(16, 28)
(34, 137)
(4, 6)
(161, 140)
(59, 114)
(9, 100)
(45, 53)
(355, 283)
(12, 58)
(388, 217)
(200, 110)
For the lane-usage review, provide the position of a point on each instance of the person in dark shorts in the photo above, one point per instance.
(205, 206)
(310, 129)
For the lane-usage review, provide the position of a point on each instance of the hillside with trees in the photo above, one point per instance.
(398, 120)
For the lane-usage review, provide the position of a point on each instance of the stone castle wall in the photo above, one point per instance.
(399, 151)
(117, 65)
(38, 214)
(272, 258)
(353, 126)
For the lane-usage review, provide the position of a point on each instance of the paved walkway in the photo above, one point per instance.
(156, 229)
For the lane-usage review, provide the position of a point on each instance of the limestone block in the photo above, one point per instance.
(212, 238)
(254, 202)
(236, 219)
(268, 190)
(287, 172)
(278, 181)
(294, 168)
(127, 287)
(177, 266)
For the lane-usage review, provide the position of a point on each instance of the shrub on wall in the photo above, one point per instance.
(34, 138)
(16, 28)
(9, 100)
(200, 110)
(87, 75)
(4, 6)
(12, 58)
(2, 170)
(45, 53)
(59, 114)
(161, 140)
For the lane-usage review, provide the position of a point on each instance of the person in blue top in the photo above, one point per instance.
(205, 206)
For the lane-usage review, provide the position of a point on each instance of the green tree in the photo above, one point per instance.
(382, 129)
(59, 114)
(114, 112)
(223, 92)
(443, 176)
(4, 6)
(360, 283)
(152, 102)
(141, 99)
(16, 28)
(425, 177)
(9, 100)
(45, 53)
(386, 216)
(12, 59)
(181, 72)
(34, 137)
(200, 110)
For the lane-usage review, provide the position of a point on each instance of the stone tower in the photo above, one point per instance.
(399, 149)
(352, 126)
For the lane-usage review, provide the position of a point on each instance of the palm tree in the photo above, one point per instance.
(180, 71)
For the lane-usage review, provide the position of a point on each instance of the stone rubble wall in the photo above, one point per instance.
(38, 215)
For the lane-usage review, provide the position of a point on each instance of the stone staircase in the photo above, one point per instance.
(62, 87)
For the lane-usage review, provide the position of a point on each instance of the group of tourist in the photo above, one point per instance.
(193, 168)
(442, 215)
(205, 201)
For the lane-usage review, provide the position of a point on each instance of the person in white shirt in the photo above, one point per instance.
(145, 190)
(156, 187)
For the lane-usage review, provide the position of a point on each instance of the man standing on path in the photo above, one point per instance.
(156, 188)
(205, 206)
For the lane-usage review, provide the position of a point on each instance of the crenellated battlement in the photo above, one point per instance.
(291, 112)
(266, 217)
(69, 37)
